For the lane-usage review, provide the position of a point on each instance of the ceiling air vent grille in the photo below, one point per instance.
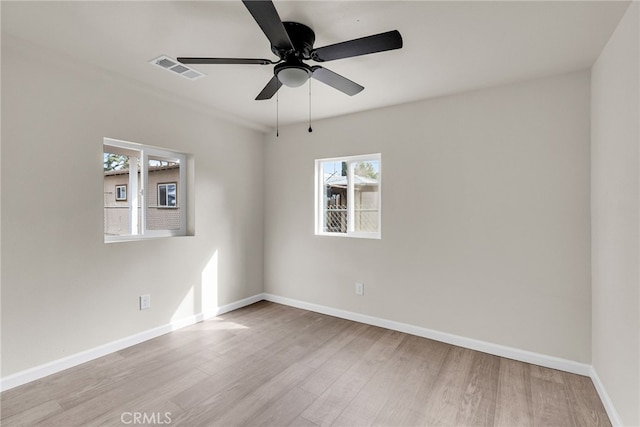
(172, 65)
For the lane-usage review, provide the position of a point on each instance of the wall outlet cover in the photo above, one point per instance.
(145, 302)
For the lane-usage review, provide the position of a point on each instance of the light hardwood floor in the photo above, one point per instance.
(269, 364)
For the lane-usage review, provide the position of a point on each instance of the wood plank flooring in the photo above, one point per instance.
(273, 365)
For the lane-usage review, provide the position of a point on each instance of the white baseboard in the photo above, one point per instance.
(470, 343)
(614, 417)
(46, 369)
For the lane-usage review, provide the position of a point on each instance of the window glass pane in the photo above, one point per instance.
(366, 196)
(163, 202)
(116, 206)
(334, 209)
(171, 195)
(162, 195)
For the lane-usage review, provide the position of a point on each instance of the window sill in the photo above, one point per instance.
(373, 236)
(121, 239)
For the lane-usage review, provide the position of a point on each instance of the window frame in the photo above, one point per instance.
(139, 199)
(319, 196)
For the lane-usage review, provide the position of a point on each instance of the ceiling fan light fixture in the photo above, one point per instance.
(293, 75)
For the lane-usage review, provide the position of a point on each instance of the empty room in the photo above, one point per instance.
(348, 213)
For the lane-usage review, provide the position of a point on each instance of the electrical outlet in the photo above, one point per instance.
(145, 302)
(359, 288)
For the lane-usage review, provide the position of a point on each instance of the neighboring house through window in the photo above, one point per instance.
(348, 196)
(140, 182)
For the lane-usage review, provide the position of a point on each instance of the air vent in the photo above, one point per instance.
(171, 64)
(192, 74)
(164, 62)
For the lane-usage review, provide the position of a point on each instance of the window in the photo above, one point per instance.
(348, 197)
(155, 180)
(121, 192)
(167, 195)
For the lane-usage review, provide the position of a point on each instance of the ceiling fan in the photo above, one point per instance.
(293, 42)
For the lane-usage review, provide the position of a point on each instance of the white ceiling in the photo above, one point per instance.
(449, 46)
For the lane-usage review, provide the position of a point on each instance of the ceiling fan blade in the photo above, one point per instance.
(224, 61)
(266, 15)
(270, 89)
(336, 81)
(363, 46)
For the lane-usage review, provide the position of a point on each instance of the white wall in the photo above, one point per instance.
(485, 229)
(63, 289)
(615, 204)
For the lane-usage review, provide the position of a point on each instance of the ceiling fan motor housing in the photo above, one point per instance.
(293, 72)
(302, 38)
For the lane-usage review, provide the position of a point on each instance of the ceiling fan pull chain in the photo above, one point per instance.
(310, 130)
(277, 115)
